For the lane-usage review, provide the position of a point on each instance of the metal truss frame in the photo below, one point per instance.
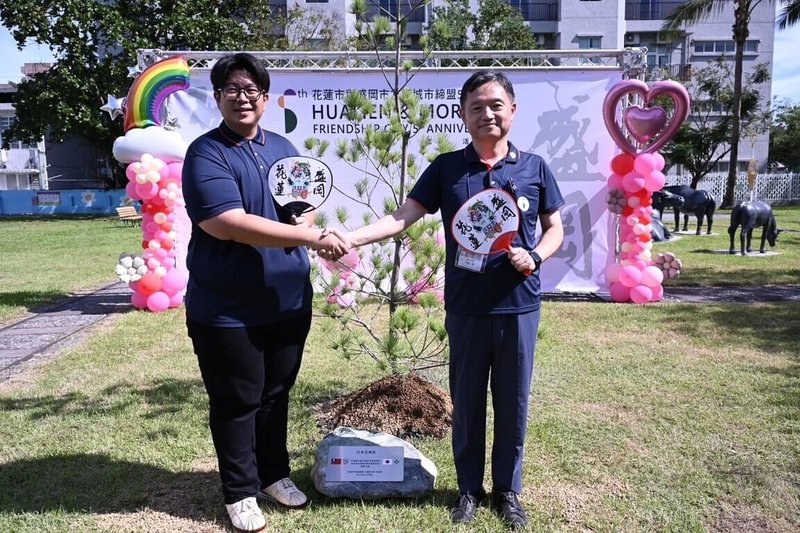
(631, 61)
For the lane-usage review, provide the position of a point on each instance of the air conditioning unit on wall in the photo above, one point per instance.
(631, 39)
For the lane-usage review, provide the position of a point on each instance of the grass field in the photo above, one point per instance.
(664, 417)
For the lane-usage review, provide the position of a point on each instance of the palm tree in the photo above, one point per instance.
(696, 10)
(790, 14)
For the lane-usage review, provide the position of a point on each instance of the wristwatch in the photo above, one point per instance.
(537, 260)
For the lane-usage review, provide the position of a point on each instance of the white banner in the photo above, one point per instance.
(559, 117)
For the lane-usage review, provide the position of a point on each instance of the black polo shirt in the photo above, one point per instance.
(450, 181)
(233, 284)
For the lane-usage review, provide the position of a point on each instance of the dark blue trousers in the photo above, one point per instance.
(248, 373)
(501, 347)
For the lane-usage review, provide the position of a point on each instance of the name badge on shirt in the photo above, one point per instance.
(470, 260)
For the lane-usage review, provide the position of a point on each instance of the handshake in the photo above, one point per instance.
(332, 244)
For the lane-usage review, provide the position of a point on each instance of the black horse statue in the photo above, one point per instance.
(695, 202)
(750, 215)
(662, 199)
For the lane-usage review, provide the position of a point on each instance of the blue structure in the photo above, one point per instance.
(73, 202)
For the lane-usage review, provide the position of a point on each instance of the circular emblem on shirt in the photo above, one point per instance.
(523, 204)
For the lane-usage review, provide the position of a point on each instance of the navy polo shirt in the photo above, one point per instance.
(233, 284)
(450, 181)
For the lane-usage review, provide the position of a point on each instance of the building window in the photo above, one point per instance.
(316, 1)
(588, 42)
(5, 124)
(388, 8)
(723, 47)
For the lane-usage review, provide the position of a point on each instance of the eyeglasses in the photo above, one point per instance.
(232, 92)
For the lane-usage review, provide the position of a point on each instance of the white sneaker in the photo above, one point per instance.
(285, 493)
(246, 515)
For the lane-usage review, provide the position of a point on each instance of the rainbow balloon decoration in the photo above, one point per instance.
(146, 96)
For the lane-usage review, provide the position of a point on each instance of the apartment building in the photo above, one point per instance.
(615, 24)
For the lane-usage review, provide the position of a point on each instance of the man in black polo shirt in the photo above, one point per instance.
(492, 312)
(248, 301)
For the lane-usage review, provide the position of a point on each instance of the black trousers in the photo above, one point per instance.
(248, 373)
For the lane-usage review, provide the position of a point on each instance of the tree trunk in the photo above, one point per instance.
(740, 34)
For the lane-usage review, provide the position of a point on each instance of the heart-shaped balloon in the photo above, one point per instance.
(648, 123)
(644, 123)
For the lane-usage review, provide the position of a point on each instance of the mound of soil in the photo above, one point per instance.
(404, 406)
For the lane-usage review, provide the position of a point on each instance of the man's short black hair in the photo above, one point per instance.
(240, 61)
(482, 77)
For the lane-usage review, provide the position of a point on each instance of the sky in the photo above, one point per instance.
(785, 73)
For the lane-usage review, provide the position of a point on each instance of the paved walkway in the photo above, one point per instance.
(40, 335)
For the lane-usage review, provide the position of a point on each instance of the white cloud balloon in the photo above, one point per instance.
(163, 144)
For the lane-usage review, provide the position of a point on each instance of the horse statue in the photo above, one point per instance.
(750, 215)
(662, 199)
(695, 201)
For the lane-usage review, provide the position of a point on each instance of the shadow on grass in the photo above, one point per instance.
(161, 397)
(30, 299)
(102, 484)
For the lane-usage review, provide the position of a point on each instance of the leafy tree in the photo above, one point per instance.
(785, 135)
(790, 14)
(94, 43)
(388, 307)
(450, 25)
(694, 11)
(501, 27)
(497, 26)
(704, 139)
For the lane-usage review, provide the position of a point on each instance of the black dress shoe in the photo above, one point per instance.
(463, 509)
(508, 508)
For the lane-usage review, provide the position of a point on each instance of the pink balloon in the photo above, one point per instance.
(630, 275)
(351, 259)
(658, 293)
(654, 181)
(615, 181)
(632, 182)
(644, 123)
(164, 172)
(644, 164)
(130, 172)
(175, 171)
(652, 276)
(130, 190)
(139, 300)
(158, 301)
(659, 161)
(174, 281)
(641, 294)
(146, 190)
(622, 89)
(619, 292)
(176, 300)
(612, 272)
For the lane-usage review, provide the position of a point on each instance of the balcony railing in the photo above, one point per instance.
(412, 10)
(536, 10)
(669, 72)
(650, 10)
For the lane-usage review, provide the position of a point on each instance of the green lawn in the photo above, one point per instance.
(664, 417)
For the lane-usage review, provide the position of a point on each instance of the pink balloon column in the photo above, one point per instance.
(158, 186)
(635, 175)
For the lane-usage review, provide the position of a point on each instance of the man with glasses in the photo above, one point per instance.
(248, 301)
(492, 309)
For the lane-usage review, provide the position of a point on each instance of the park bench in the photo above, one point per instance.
(129, 215)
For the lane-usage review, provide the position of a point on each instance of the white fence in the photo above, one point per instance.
(769, 187)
